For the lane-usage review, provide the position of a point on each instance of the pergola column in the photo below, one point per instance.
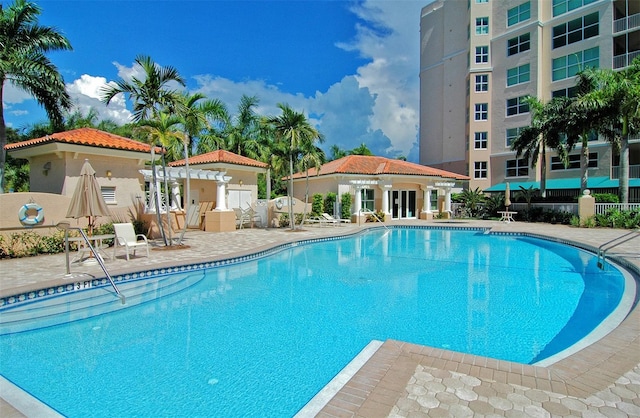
(221, 199)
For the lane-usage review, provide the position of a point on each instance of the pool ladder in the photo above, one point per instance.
(64, 226)
(602, 250)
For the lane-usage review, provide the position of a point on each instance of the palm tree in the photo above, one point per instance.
(312, 156)
(150, 95)
(242, 132)
(193, 116)
(582, 121)
(360, 150)
(164, 130)
(23, 45)
(337, 152)
(543, 132)
(617, 94)
(294, 129)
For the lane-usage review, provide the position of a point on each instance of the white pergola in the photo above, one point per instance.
(173, 175)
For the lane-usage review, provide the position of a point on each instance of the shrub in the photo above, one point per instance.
(606, 198)
(377, 217)
(345, 212)
(317, 206)
(329, 202)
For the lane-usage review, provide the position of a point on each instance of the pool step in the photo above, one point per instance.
(81, 304)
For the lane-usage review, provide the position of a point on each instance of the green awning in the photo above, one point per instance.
(560, 184)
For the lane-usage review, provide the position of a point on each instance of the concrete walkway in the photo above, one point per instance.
(406, 380)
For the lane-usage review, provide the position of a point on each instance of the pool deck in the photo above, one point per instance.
(407, 380)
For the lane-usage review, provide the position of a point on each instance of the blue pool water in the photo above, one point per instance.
(261, 337)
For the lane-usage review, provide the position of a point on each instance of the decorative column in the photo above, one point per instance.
(426, 212)
(358, 202)
(221, 198)
(175, 196)
(446, 212)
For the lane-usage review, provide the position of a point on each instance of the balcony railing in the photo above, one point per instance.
(634, 172)
(624, 60)
(626, 23)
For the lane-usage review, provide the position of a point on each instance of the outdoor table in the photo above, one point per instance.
(96, 242)
(506, 216)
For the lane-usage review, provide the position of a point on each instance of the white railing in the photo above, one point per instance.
(602, 208)
(557, 207)
(625, 23)
(634, 172)
(624, 60)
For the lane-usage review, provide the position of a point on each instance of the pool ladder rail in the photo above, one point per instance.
(372, 213)
(602, 250)
(65, 226)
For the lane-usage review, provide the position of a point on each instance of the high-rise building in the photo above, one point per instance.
(479, 59)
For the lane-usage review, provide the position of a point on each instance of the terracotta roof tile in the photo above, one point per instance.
(220, 156)
(373, 165)
(85, 136)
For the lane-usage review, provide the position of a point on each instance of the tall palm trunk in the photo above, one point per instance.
(584, 164)
(187, 192)
(623, 176)
(291, 219)
(543, 171)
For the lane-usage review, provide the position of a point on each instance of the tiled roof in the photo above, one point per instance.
(372, 165)
(220, 156)
(85, 136)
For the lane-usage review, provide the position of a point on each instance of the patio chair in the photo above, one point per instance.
(126, 237)
(242, 218)
(331, 219)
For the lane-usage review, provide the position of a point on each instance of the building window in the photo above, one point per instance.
(480, 141)
(482, 1)
(570, 65)
(482, 25)
(518, 75)
(480, 170)
(517, 106)
(482, 54)
(109, 194)
(519, 14)
(568, 92)
(519, 44)
(563, 6)
(574, 162)
(368, 201)
(576, 30)
(513, 134)
(517, 168)
(482, 111)
(482, 83)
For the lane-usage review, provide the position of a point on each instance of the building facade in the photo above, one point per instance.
(479, 59)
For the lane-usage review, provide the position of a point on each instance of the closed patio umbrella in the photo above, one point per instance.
(87, 200)
(507, 196)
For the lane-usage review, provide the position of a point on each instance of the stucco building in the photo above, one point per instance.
(480, 58)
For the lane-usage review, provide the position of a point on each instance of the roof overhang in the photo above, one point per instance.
(59, 149)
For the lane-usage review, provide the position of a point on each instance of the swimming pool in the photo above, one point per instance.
(261, 337)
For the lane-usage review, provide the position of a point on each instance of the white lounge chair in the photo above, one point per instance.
(126, 237)
(331, 219)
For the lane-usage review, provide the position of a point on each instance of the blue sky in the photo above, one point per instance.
(352, 67)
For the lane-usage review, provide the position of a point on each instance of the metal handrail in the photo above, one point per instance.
(66, 227)
(370, 212)
(602, 250)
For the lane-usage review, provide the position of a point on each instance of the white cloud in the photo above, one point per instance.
(390, 39)
(12, 94)
(378, 106)
(85, 94)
